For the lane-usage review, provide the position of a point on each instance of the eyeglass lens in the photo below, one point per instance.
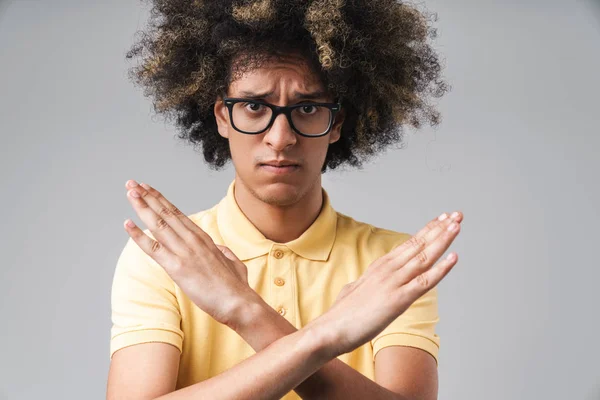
(308, 119)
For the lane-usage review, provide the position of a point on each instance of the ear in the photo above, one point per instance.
(336, 129)
(222, 117)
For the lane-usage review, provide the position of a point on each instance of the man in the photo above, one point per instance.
(272, 293)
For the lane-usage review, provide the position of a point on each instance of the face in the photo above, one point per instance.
(283, 83)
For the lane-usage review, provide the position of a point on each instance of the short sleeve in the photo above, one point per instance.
(414, 328)
(144, 306)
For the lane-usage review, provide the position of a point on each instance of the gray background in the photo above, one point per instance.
(516, 152)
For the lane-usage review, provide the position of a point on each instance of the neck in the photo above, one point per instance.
(280, 224)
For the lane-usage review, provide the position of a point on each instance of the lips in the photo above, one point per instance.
(279, 168)
(280, 164)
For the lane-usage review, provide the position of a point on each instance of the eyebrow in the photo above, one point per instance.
(296, 95)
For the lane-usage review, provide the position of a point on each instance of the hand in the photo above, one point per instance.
(209, 274)
(388, 287)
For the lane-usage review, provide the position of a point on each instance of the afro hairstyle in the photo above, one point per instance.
(373, 57)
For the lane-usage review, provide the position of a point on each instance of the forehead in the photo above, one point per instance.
(289, 73)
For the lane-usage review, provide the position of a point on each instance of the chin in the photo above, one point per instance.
(280, 194)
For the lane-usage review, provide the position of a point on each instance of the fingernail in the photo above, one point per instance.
(454, 215)
(442, 217)
(133, 193)
(132, 183)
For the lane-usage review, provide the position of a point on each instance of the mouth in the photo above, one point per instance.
(279, 168)
(280, 164)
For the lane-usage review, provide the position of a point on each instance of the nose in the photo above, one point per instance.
(281, 135)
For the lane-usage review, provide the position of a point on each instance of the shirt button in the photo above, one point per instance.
(279, 281)
(281, 311)
(278, 254)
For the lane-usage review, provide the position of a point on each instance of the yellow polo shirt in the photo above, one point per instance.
(300, 279)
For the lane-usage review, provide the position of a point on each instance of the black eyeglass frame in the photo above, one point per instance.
(276, 110)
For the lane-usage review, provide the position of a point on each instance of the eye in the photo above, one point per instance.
(253, 106)
(308, 109)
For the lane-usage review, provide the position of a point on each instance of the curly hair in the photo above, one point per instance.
(372, 56)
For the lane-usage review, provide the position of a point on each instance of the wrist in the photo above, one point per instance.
(323, 338)
(249, 308)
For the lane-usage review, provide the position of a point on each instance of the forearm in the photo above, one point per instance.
(334, 380)
(268, 374)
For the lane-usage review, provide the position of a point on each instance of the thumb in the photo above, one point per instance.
(228, 253)
(239, 266)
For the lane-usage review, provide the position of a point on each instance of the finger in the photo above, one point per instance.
(159, 220)
(426, 281)
(153, 248)
(405, 251)
(456, 216)
(432, 223)
(240, 267)
(228, 253)
(185, 220)
(436, 243)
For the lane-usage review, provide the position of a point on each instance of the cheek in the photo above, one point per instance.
(323, 146)
(241, 147)
(316, 151)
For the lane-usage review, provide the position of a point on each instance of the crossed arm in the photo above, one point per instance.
(286, 358)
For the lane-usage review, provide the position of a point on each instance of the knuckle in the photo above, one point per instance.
(156, 247)
(412, 242)
(140, 203)
(161, 223)
(417, 242)
(422, 280)
(176, 211)
(422, 257)
(177, 266)
(164, 212)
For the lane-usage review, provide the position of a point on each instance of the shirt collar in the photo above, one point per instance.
(247, 242)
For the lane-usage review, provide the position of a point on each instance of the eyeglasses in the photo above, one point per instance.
(306, 119)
